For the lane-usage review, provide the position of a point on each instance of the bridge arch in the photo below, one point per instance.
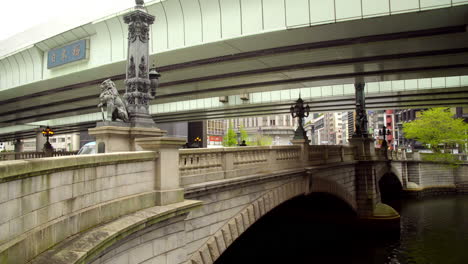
(322, 185)
(238, 224)
(233, 228)
(390, 187)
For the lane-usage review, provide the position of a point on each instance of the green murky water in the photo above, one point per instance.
(320, 229)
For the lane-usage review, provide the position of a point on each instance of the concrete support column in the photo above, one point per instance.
(18, 148)
(40, 140)
(167, 179)
(75, 144)
(19, 145)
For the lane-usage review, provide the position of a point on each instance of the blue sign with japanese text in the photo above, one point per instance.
(66, 54)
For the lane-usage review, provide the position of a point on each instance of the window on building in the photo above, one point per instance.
(272, 122)
(61, 139)
(53, 140)
(280, 120)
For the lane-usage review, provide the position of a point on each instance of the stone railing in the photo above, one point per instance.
(43, 201)
(417, 156)
(325, 154)
(33, 155)
(203, 165)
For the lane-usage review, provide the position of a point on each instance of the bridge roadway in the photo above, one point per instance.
(129, 207)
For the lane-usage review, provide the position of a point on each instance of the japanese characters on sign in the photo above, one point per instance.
(66, 54)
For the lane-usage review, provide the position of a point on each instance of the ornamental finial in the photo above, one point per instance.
(139, 2)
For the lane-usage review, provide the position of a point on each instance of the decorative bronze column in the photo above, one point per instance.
(300, 111)
(138, 88)
(360, 130)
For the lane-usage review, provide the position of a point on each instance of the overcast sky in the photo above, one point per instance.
(17, 16)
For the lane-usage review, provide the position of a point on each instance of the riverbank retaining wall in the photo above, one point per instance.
(421, 178)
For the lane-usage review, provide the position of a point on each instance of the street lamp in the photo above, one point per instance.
(154, 76)
(197, 142)
(300, 111)
(48, 132)
(384, 132)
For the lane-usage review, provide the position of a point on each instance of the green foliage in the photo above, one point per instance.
(265, 141)
(438, 130)
(260, 140)
(243, 134)
(230, 139)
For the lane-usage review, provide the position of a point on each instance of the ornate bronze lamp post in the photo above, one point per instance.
(384, 132)
(48, 132)
(138, 83)
(300, 111)
(360, 130)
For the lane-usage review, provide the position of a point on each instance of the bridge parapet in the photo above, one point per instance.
(33, 155)
(43, 201)
(325, 154)
(204, 165)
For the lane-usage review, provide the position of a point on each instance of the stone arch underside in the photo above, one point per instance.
(322, 185)
(229, 232)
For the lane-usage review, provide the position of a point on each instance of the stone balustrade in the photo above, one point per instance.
(32, 155)
(414, 156)
(202, 165)
(43, 201)
(325, 154)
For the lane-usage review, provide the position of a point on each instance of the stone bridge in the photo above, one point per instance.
(165, 205)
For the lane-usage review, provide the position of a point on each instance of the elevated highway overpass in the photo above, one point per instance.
(410, 54)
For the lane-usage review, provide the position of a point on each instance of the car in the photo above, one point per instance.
(88, 148)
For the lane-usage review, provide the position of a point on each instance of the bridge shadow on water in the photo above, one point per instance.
(318, 228)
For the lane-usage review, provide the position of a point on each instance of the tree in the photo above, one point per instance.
(261, 140)
(230, 139)
(438, 130)
(243, 134)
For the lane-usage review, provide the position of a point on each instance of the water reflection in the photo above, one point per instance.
(321, 229)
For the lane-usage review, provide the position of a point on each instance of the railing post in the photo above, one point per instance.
(304, 144)
(227, 163)
(167, 178)
(271, 158)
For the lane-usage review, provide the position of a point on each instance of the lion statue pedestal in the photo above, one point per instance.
(115, 133)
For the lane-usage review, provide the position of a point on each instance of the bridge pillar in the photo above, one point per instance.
(166, 167)
(366, 189)
(304, 144)
(364, 147)
(374, 215)
(121, 137)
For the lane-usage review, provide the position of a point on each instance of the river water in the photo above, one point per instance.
(321, 229)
